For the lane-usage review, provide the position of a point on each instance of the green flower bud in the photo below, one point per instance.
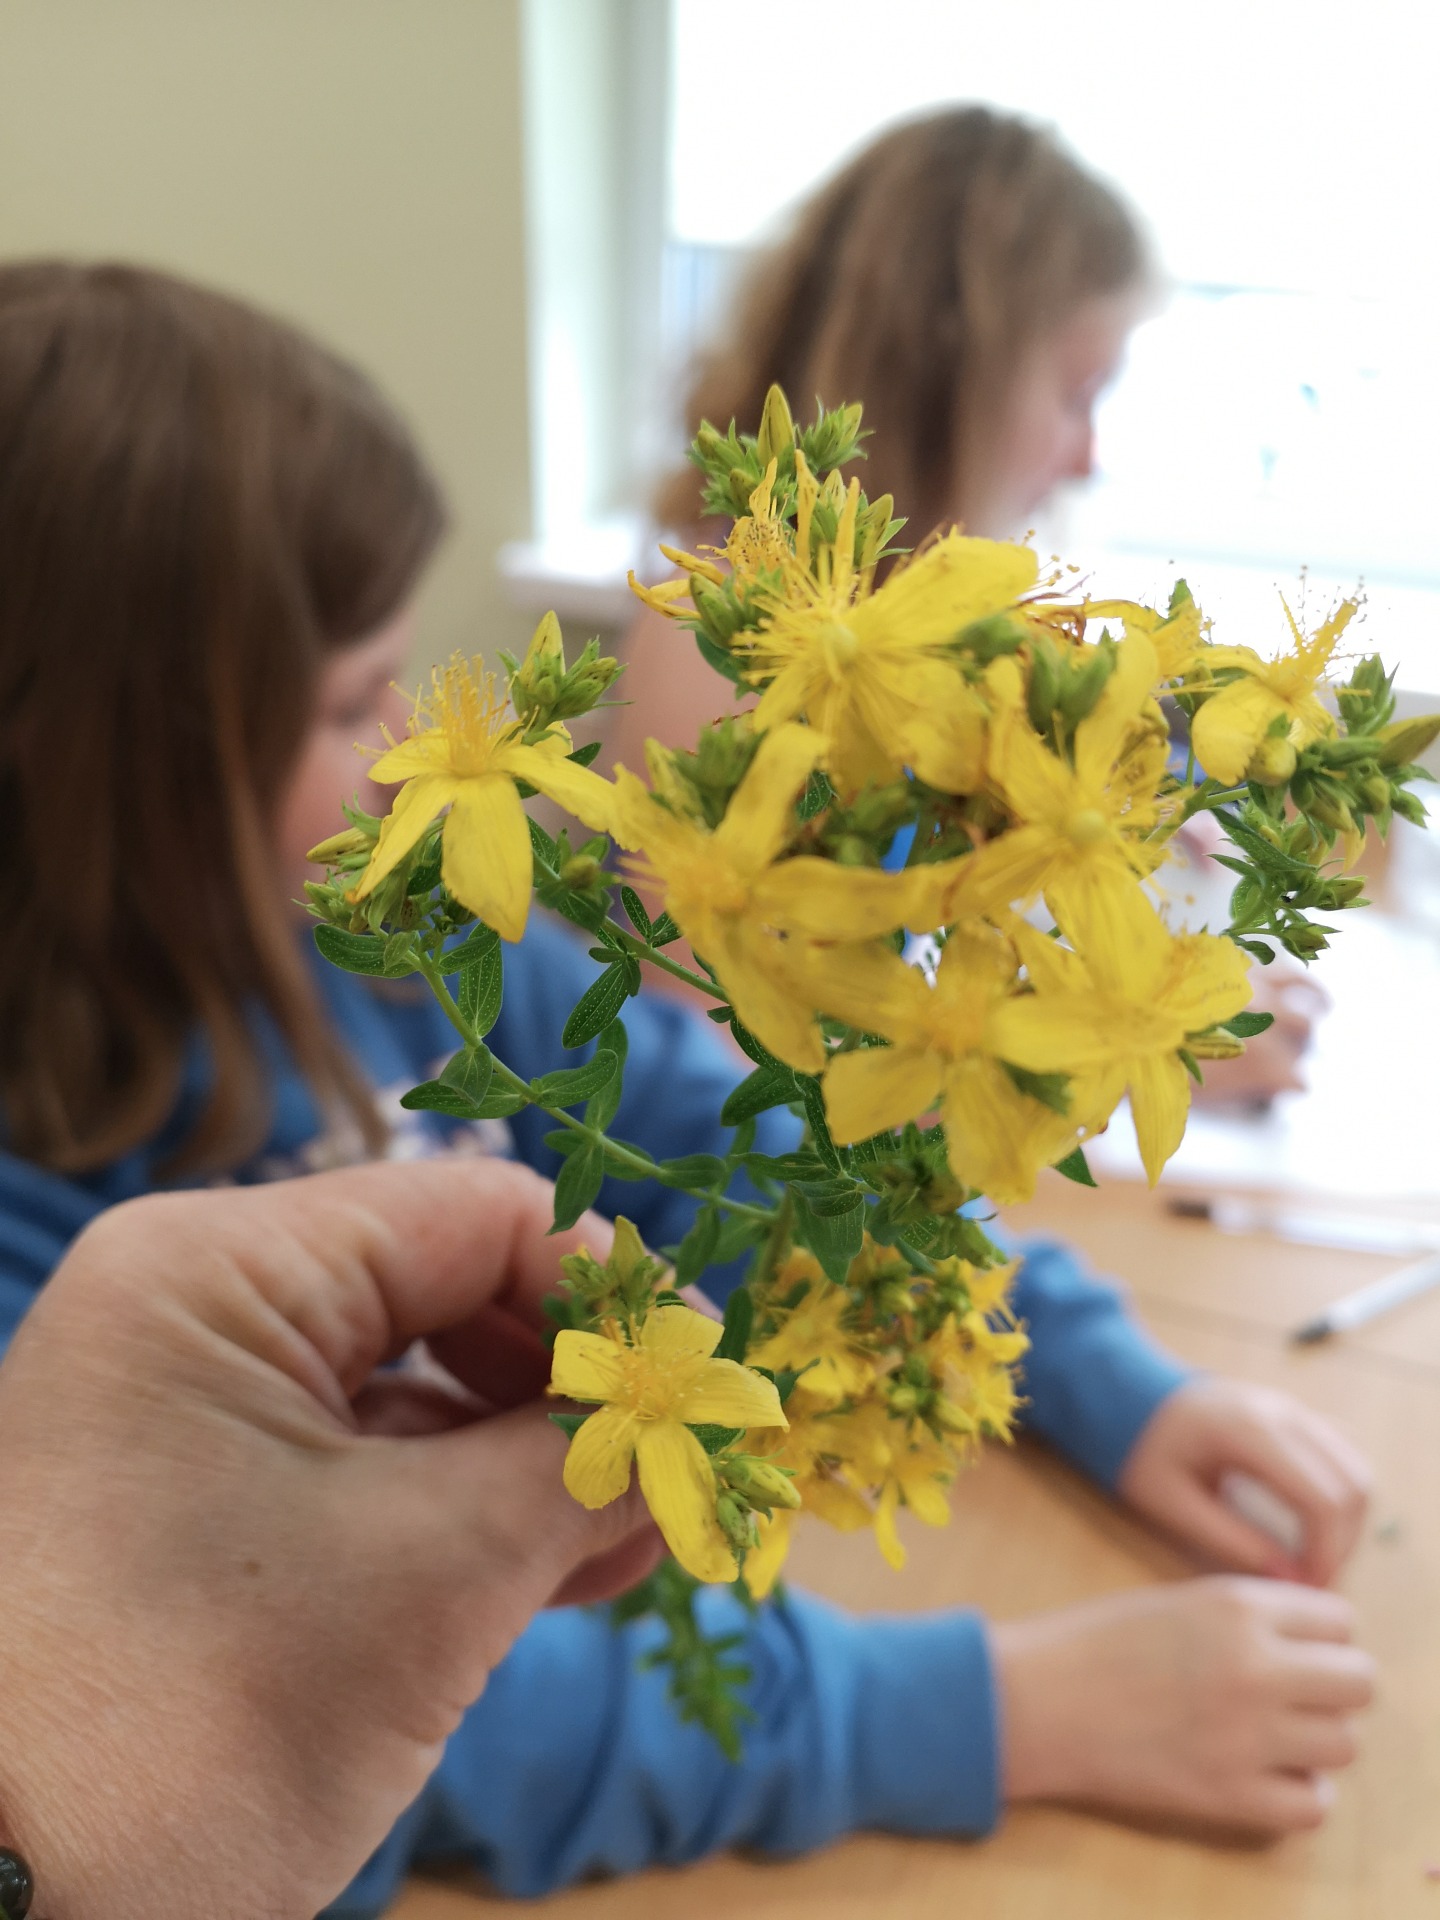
(735, 1522)
(777, 429)
(1084, 680)
(1330, 809)
(341, 847)
(1273, 763)
(1405, 740)
(763, 1483)
(1043, 689)
(1305, 941)
(1373, 793)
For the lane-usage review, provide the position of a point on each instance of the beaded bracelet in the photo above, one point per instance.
(17, 1885)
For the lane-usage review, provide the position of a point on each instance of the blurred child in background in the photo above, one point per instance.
(974, 287)
(211, 534)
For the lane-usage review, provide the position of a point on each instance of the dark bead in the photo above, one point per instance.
(17, 1885)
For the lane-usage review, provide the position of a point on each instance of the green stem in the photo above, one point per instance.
(513, 1083)
(642, 950)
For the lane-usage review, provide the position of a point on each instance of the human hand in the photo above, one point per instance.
(1223, 1701)
(1211, 1428)
(251, 1587)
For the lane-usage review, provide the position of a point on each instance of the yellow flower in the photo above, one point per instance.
(903, 1465)
(1178, 637)
(943, 1054)
(814, 1331)
(653, 1389)
(1082, 831)
(733, 896)
(1134, 996)
(1232, 724)
(868, 667)
(803, 1449)
(464, 751)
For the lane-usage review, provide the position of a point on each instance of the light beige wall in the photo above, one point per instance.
(353, 164)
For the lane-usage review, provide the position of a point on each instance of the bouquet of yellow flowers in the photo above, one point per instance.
(943, 1026)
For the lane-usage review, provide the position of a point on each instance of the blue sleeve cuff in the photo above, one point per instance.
(926, 1753)
(1093, 1376)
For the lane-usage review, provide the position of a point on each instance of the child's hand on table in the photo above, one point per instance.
(1222, 1701)
(1211, 1429)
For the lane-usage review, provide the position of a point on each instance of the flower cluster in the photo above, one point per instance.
(920, 875)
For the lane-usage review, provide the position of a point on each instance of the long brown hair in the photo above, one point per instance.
(913, 282)
(197, 505)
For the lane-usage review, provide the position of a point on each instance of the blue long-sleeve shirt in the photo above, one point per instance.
(573, 1761)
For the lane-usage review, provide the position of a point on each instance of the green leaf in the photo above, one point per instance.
(361, 953)
(692, 1256)
(541, 842)
(619, 1169)
(469, 1073)
(739, 1318)
(635, 912)
(482, 988)
(664, 931)
(568, 1086)
(582, 756)
(470, 951)
(1257, 950)
(500, 1105)
(1269, 858)
(434, 1096)
(817, 796)
(695, 1170)
(597, 1006)
(578, 1186)
(716, 1439)
(814, 1103)
(792, 1168)
(569, 1423)
(1077, 1168)
(1050, 1089)
(766, 1087)
(1245, 1026)
(603, 1106)
(833, 1238)
(830, 1197)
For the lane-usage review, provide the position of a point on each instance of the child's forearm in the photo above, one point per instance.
(574, 1762)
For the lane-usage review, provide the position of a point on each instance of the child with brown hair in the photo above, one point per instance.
(975, 286)
(211, 532)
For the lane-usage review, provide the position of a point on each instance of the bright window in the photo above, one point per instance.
(1284, 410)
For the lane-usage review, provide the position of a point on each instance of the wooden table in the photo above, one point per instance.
(1029, 1534)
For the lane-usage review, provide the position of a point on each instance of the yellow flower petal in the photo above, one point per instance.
(725, 1394)
(679, 1333)
(997, 1138)
(586, 1366)
(597, 1463)
(679, 1487)
(486, 859)
(413, 758)
(1159, 1102)
(886, 1534)
(757, 821)
(414, 809)
(1230, 726)
(764, 1561)
(925, 1496)
(879, 1087)
(754, 970)
(836, 1504)
(581, 792)
(830, 902)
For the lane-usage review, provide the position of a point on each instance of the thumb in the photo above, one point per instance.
(485, 1506)
(1199, 1515)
